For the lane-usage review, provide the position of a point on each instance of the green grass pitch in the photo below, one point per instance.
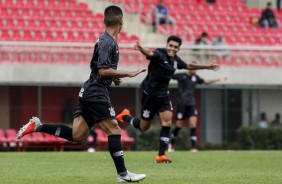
(205, 167)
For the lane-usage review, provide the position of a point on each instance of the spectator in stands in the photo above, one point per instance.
(211, 1)
(203, 39)
(202, 54)
(160, 15)
(155, 100)
(277, 120)
(94, 101)
(223, 52)
(267, 18)
(263, 122)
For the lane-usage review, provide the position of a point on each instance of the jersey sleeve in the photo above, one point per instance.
(200, 80)
(104, 51)
(181, 64)
(155, 55)
(176, 76)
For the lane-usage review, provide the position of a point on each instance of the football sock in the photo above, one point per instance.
(116, 152)
(135, 122)
(164, 139)
(58, 130)
(193, 137)
(174, 134)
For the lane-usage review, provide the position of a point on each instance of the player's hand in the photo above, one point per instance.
(222, 79)
(137, 45)
(117, 81)
(214, 66)
(135, 73)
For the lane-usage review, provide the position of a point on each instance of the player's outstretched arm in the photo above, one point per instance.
(146, 52)
(111, 73)
(213, 66)
(221, 79)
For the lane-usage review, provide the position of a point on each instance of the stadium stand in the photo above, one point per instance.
(230, 18)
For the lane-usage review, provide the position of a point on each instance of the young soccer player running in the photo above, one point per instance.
(155, 99)
(94, 102)
(186, 105)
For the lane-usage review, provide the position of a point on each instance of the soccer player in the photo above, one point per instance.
(94, 102)
(186, 105)
(155, 99)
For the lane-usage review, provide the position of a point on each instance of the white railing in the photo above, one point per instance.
(72, 53)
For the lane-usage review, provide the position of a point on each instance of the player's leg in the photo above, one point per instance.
(148, 111)
(75, 134)
(111, 128)
(174, 134)
(166, 122)
(192, 114)
(193, 135)
(180, 117)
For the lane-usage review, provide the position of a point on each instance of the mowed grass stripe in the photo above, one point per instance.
(205, 167)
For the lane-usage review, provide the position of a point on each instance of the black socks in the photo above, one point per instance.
(135, 122)
(164, 139)
(58, 130)
(193, 137)
(116, 152)
(174, 134)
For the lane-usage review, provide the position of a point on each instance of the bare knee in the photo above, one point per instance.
(78, 138)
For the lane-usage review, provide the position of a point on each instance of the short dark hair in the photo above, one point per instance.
(174, 38)
(112, 15)
(269, 4)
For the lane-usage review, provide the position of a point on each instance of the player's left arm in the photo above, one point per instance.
(221, 79)
(212, 66)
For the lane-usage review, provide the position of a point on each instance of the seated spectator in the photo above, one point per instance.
(263, 122)
(276, 121)
(160, 15)
(203, 39)
(202, 54)
(221, 53)
(268, 17)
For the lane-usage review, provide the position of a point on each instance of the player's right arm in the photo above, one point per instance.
(111, 73)
(146, 52)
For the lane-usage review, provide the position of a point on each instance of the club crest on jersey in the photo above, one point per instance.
(146, 114)
(81, 92)
(112, 111)
(194, 78)
(175, 65)
(179, 115)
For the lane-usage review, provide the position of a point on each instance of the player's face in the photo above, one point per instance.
(172, 47)
(121, 25)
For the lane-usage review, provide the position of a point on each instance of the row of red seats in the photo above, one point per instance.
(54, 25)
(82, 35)
(39, 140)
(46, 14)
(43, 4)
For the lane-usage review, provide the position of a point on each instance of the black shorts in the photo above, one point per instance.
(184, 112)
(152, 105)
(94, 112)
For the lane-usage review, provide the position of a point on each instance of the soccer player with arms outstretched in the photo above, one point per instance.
(185, 108)
(155, 99)
(94, 102)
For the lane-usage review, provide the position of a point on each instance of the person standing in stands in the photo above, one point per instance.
(94, 101)
(186, 108)
(155, 99)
